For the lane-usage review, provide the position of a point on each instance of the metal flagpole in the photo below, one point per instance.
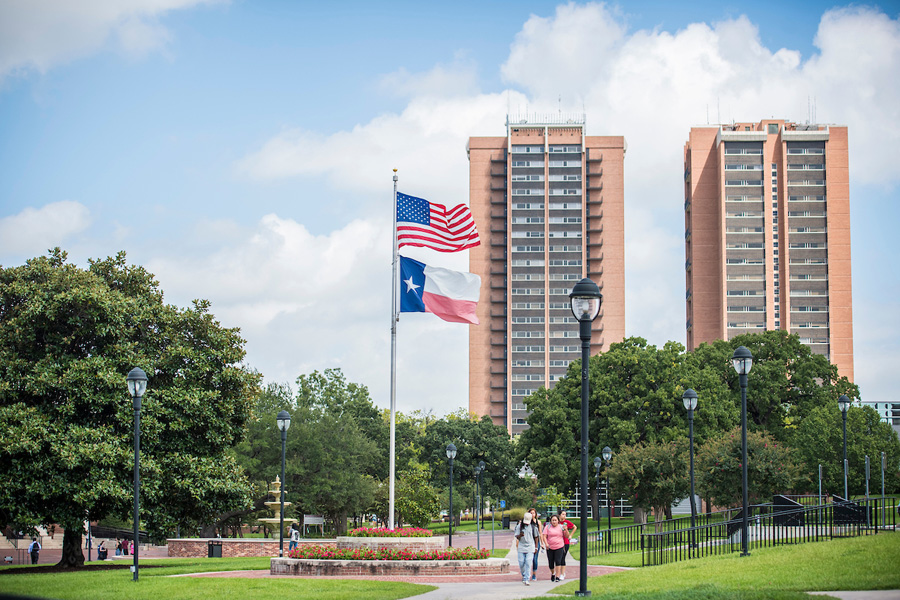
(394, 319)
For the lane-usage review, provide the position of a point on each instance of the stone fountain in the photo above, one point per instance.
(275, 506)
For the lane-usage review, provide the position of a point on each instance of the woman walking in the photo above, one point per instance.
(526, 546)
(570, 526)
(554, 539)
(535, 521)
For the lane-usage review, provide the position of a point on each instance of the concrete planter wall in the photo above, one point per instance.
(346, 568)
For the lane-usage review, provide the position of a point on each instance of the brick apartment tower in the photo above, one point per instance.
(549, 204)
(767, 234)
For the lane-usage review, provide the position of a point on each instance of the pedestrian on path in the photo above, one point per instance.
(570, 527)
(554, 539)
(537, 551)
(526, 546)
(34, 549)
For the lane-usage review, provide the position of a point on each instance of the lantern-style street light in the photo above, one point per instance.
(690, 403)
(844, 403)
(137, 385)
(607, 456)
(451, 454)
(283, 420)
(742, 360)
(585, 300)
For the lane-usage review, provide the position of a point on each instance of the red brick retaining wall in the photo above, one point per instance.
(233, 547)
(394, 543)
(345, 568)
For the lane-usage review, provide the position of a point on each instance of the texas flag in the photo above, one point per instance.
(450, 295)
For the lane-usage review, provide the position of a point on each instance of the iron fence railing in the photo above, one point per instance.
(771, 526)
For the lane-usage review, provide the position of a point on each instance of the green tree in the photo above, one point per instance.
(417, 502)
(819, 441)
(652, 474)
(635, 396)
(771, 468)
(476, 439)
(68, 337)
(787, 380)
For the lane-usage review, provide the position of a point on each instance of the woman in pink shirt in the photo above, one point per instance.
(553, 538)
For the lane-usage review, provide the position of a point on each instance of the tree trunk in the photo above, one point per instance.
(640, 516)
(71, 551)
(340, 524)
(209, 530)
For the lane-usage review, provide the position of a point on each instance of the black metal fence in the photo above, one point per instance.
(769, 525)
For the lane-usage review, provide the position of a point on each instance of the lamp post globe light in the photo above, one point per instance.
(598, 462)
(607, 456)
(742, 360)
(283, 420)
(451, 454)
(844, 403)
(137, 385)
(689, 398)
(585, 300)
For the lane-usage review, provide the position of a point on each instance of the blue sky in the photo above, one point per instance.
(243, 151)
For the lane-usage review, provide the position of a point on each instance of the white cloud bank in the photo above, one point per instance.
(34, 230)
(40, 34)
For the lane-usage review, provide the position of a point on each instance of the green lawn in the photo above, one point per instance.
(864, 563)
(154, 583)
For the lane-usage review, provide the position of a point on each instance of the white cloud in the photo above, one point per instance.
(457, 79)
(34, 230)
(426, 142)
(39, 34)
(308, 302)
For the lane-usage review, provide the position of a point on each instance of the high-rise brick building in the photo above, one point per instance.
(767, 234)
(549, 204)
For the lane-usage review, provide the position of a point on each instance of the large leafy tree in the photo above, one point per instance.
(819, 441)
(68, 337)
(771, 468)
(786, 383)
(636, 391)
(652, 474)
(635, 397)
(476, 439)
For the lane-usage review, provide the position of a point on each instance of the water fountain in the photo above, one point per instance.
(275, 506)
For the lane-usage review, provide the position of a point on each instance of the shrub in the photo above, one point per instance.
(385, 532)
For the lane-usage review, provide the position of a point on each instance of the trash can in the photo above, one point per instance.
(506, 522)
(214, 549)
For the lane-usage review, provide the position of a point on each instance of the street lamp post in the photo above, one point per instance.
(451, 454)
(585, 300)
(481, 468)
(598, 462)
(137, 385)
(284, 421)
(690, 403)
(742, 360)
(607, 456)
(478, 470)
(844, 403)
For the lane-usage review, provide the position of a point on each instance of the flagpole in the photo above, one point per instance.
(394, 318)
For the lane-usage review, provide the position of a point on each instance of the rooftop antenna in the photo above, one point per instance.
(718, 111)
(559, 105)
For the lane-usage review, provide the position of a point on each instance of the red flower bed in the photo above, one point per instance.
(326, 553)
(385, 532)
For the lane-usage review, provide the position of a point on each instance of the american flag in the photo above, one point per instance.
(422, 223)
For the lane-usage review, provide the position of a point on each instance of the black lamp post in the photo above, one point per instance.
(585, 300)
(284, 421)
(690, 403)
(451, 454)
(598, 462)
(137, 385)
(844, 403)
(481, 468)
(742, 360)
(607, 456)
